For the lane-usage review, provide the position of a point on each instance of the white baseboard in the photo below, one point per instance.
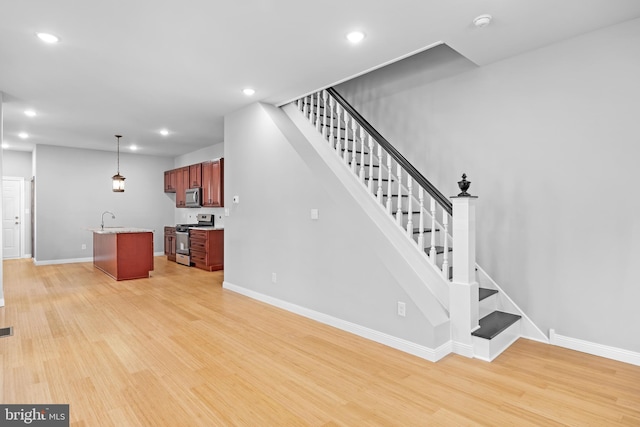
(432, 355)
(462, 349)
(62, 261)
(72, 260)
(613, 353)
(1, 302)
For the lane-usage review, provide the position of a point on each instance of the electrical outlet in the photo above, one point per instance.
(314, 214)
(402, 309)
(84, 246)
(273, 277)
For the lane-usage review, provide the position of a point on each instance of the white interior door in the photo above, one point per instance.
(11, 217)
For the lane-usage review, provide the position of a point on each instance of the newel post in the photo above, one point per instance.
(463, 296)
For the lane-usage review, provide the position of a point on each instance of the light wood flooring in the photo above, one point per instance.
(178, 350)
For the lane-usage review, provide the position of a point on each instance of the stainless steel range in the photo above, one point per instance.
(182, 237)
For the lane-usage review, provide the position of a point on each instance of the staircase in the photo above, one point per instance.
(423, 215)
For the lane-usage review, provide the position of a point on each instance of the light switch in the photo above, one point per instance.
(226, 211)
(314, 214)
(236, 199)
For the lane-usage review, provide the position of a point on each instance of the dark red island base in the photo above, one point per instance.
(123, 254)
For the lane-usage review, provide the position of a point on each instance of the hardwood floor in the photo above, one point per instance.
(178, 350)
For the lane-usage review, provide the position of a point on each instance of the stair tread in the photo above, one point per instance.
(439, 249)
(486, 293)
(494, 323)
(424, 230)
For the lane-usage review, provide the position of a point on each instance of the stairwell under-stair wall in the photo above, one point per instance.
(549, 140)
(339, 268)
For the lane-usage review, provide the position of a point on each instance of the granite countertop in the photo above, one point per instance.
(208, 228)
(116, 230)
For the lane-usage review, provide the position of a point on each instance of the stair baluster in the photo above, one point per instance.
(445, 262)
(432, 250)
(305, 107)
(324, 115)
(339, 128)
(370, 182)
(345, 152)
(379, 191)
(354, 153)
(410, 207)
(389, 193)
(421, 221)
(363, 141)
(317, 105)
(399, 210)
(332, 139)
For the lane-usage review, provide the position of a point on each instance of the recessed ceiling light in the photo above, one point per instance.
(355, 36)
(48, 38)
(23, 135)
(164, 132)
(30, 113)
(248, 91)
(133, 147)
(5, 145)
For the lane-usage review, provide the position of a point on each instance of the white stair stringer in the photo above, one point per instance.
(528, 329)
(433, 283)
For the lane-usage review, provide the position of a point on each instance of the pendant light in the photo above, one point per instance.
(118, 180)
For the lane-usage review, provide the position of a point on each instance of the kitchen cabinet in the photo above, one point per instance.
(195, 176)
(170, 181)
(213, 183)
(170, 243)
(206, 248)
(182, 183)
(207, 175)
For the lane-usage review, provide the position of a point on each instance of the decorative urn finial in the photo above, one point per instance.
(464, 186)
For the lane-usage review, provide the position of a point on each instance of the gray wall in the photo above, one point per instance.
(1, 172)
(550, 141)
(73, 188)
(20, 164)
(332, 265)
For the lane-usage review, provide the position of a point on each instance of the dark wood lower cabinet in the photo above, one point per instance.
(207, 249)
(170, 243)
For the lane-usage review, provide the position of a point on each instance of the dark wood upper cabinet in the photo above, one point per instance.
(182, 183)
(213, 183)
(207, 175)
(170, 181)
(195, 176)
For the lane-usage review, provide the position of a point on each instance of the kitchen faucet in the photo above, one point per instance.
(102, 223)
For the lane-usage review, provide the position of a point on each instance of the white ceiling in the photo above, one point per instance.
(133, 67)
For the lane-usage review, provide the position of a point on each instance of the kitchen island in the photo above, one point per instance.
(123, 253)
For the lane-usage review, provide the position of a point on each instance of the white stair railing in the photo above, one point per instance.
(328, 113)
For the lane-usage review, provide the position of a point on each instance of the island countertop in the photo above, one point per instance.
(115, 230)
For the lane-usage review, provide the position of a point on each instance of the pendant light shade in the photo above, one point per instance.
(118, 180)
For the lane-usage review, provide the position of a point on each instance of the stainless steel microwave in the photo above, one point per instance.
(193, 197)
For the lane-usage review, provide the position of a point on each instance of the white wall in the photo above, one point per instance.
(550, 141)
(333, 265)
(73, 189)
